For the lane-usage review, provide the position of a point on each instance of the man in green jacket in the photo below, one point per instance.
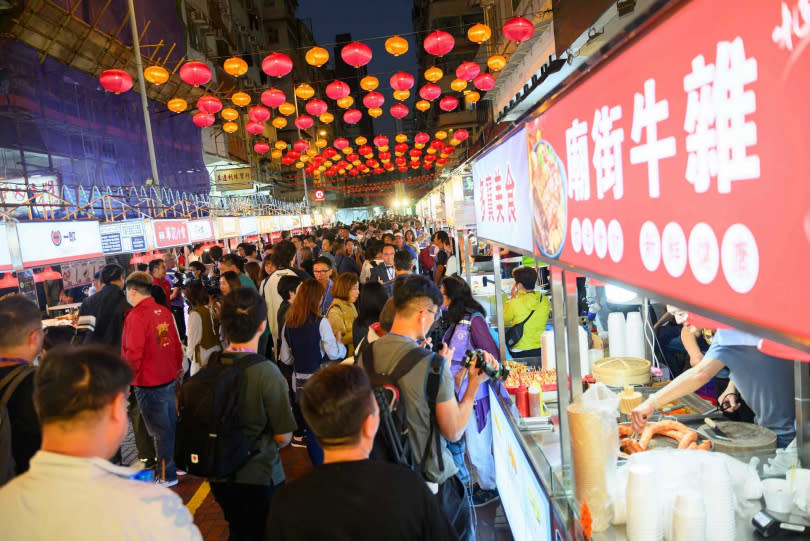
(523, 303)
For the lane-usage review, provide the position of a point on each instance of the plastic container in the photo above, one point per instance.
(522, 401)
(778, 497)
(535, 401)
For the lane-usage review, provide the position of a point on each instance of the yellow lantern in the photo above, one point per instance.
(229, 113)
(177, 105)
(441, 135)
(396, 45)
(299, 165)
(383, 149)
(472, 96)
(156, 75)
(235, 66)
(402, 94)
(357, 163)
(276, 154)
(433, 74)
(320, 142)
(230, 127)
(422, 105)
(312, 151)
(304, 158)
(328, 163)
(458, 85)
(369, 83)
(360, 141)
(342, 172)
(326, 118)
(345, 103)
(317, 56)
(286, 108)
(401, 138)
(279, 122)
(347, 150)
(431, 150)
(304, 91)
(496, 62)
(479, 33)
(420, 146)
(455, 142)
(281, 145)
(240, 99)
(375, 112)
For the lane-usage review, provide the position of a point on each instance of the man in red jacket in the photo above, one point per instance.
(151, 346)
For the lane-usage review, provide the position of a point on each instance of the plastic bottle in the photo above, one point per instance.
(522, 400)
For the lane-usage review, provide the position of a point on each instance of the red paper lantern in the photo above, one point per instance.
(447, 149)
(261, 147)
(402, 81)
(316, 107)
(484, 82)
(341, 143)
(421, 138)
(304, 122)
(441, 161)
(115, 81)
(195, 73)
(353, 157)
(337, 90)
(429, 158)
(436, 145)
(401, 148)
(380, 141)
(439, 43)
(468, 71)
(294, 154)
(258, 113)
(518, 29)
(203, 120)
(352, 116)
(415, 153)
(461, 134)
(277, 65)
(430, 91)
(365, 150)
(384, 156)
(379, 170)
(399, 110)
(448, 103)
(356, 54)
(273, 97)
(402, 169)
(255, 128)
(329, 152)
(400, 160)
(373, 99)
(301, 145)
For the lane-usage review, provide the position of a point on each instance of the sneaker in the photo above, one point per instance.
(167, 483)
(299, 441)
(482, 497)
(181, 472)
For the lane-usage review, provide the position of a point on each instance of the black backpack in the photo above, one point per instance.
(8, 385)
(392, 442)
(210, 440)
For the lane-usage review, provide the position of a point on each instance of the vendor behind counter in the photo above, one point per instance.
(764, 381)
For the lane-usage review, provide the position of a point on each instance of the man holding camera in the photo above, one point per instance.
(417, 302)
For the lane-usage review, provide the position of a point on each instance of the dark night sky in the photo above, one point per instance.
(366, 19)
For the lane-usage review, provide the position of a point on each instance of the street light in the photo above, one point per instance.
(322, 132)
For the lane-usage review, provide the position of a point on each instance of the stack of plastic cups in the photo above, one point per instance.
(643, 504)
(719, 501)
(634, 336)
(688, 517)
(616, 334)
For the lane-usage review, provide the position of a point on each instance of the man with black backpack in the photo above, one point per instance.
(397, 363)
(235, 415)
(20, 342)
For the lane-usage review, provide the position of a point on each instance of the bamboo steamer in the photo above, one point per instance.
(621, 371)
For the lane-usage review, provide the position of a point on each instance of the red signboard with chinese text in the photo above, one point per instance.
(170, 233)
(681, 165)
(319, 195)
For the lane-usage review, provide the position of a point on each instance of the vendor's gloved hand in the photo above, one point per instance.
(728, 401)
(641, 413)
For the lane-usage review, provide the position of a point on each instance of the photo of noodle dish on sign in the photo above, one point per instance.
(548, 188)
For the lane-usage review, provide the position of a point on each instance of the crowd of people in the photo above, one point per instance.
(308, 325)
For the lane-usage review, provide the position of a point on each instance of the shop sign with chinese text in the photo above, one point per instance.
(501, 184)
(681, 166)
(170, 233)
(201, 230)
(234, 179)
(49, 243)
(123, 237)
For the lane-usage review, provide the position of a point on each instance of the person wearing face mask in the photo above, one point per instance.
(72, 491)
(152, 348)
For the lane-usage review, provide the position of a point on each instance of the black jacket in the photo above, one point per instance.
(381, 272)
(109, 306)
(345, 263)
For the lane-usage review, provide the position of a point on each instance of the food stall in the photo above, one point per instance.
(679, 173)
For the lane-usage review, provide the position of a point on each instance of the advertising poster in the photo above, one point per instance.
(50, 243)
(123, 237)
(170, 233)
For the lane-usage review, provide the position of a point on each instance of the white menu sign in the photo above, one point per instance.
(123, 237)
(50, 243)
(226, 227)
(200, 230)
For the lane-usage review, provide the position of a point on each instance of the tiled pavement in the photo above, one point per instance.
(208, 516)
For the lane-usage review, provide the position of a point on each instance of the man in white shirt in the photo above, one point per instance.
(71, 490)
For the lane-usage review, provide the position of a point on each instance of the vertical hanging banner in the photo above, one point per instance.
(683, 169)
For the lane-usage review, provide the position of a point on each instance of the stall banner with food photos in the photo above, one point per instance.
(501, 184)
(681, 165)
